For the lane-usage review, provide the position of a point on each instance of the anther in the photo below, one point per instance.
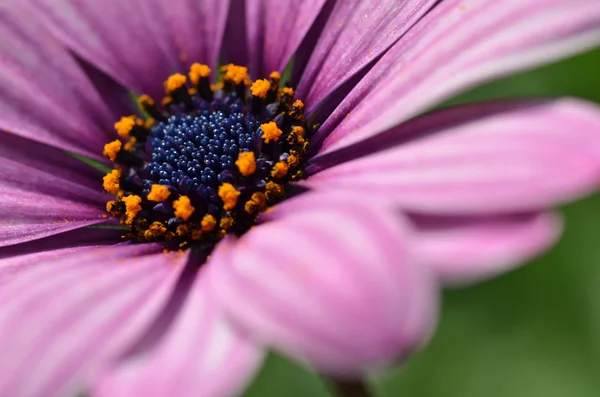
(111, 181)
(147, 103)
(183, 208)
(199, 75)
(132, 207)
(208, 223)
(246, 163)
(159, 193)
(270, 132)
(229, 195)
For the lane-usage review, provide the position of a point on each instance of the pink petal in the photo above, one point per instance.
(18, 257)
(275, 30)
(62, 321)
(26, 216)
(330, 281)
(44, 95)
(199, 356)
(139, 44)
(520, 160)
(356, 33)
(466, 250)
(460, 44)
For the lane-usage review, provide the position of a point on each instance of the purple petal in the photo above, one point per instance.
(276, 29)
(200, 355)
(44, 95)
(356, 33)
(521, 160)
(460, 44)
(18, 257)
(196, 28)
(129, 41)
(466, 250)
(62, 322)
(42, 168)
(331, 282)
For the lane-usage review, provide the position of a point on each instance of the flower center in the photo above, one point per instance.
(207, 161)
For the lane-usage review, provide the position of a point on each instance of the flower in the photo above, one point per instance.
(343, 275)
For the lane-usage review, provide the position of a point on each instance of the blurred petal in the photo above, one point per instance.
(330, 281)
(44, 95)
(521, 160)
(199, 356)
(459, 44)
(18, 257)
(196, 28)
(275, 30)
(466, 250)
(356, 33)
(137, 43)
(60, 322)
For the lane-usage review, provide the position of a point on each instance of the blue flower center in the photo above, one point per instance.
(209, 160)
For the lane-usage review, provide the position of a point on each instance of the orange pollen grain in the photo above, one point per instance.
(111, 181)
(145, 101)
(298, 130)
(260, 88)
(174, 82)
(132, 207)
(235, 74)
(130, 144)
(183, 208)
(208, 223)
(279, 169)
(270, 132)
(125, 125)
(226, 223)
(275, 76)
(288, 91)
(246, 163)
(112, 148)
(298, 104)
(274, 189)
(158, 193)
(229, 194)
(197, 72)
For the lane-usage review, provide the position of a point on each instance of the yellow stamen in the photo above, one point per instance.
(226, 223)
(270, 132)
(149, 123)
(158, 193)
(112, 148)
(289, 91)
(274, 189)
(156, 229)
(298, 104)
(110, 207)
(130, 144)
(235, 74)
(229, 195)
(257, 202)
(275, 76)
(298, 130)
(260, 88)
(132, 207)
(246, 163)
(208, 223)
(198, 71)
(183, 208)
(145, 101)
(279, 169)
(126, 124)
(293, 160)
(183, 230)
(174, 82)
(111, 181)
(166, 101)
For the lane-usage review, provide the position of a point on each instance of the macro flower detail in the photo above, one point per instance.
(188, 184)
(208, 161)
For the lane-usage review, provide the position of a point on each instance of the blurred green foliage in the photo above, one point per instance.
(532, 333)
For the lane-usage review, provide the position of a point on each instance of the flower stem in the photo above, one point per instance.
(344, 388)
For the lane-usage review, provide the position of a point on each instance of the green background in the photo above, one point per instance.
(533, 332)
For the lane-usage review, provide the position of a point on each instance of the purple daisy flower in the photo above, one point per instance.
(318, 218)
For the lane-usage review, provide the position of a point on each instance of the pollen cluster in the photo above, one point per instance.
(208, 160)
